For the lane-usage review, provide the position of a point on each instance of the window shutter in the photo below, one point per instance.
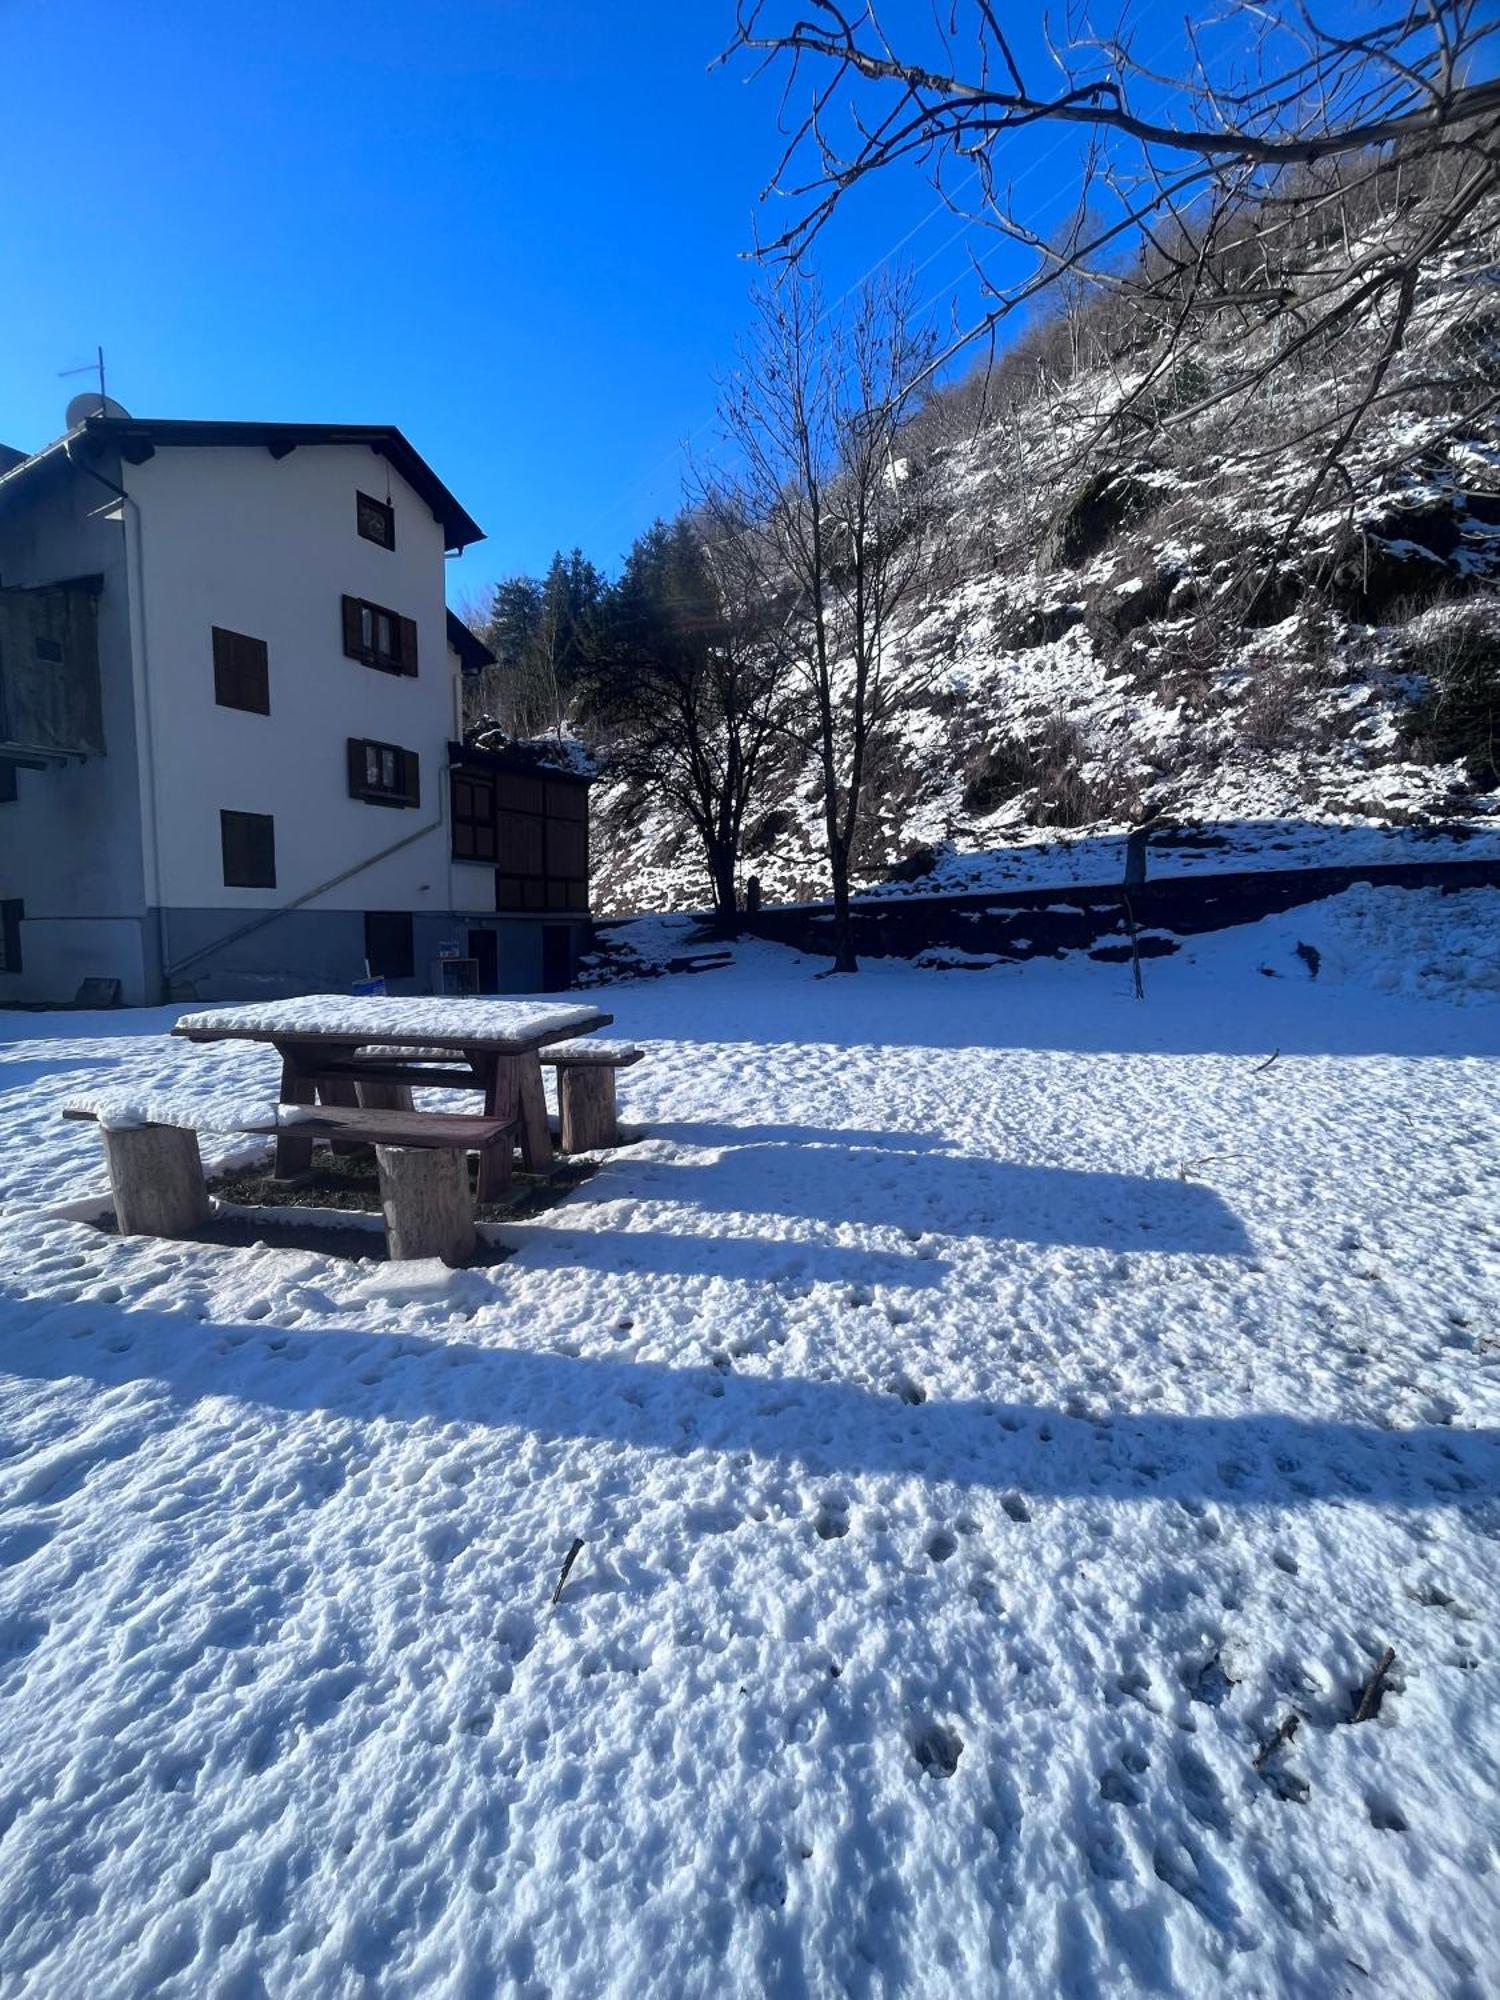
(356, 763)
(411, 782)
(407, 644)
(353, 639)
(224, 687)
(249, 850)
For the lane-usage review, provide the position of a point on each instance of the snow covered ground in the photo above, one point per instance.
(990, 1406)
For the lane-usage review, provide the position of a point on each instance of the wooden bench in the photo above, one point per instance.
(156, 1170)
(586, 1090)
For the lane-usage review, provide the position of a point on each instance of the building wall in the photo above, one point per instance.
(119, 861)
(268, 547)
(309, 951)
(71, 841)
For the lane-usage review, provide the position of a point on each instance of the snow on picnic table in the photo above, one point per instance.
(381, 1017)
(990, 1407)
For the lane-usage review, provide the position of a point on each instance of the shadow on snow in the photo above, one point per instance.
(828, 1427)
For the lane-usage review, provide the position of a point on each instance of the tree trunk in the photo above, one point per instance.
(844, 959)
(726, 903)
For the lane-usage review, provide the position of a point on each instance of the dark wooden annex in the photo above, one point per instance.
(527, 817)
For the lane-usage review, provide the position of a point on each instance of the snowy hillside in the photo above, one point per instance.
(1120, 633)
(1008, 1426)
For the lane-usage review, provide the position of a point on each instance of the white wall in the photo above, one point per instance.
(268, 547)
(70, 842)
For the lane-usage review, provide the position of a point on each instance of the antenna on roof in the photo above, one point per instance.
(88, 404)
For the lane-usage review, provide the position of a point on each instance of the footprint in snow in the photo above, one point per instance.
(937, 1749)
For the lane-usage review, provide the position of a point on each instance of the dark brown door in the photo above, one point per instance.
(484, 949)
(557, 958)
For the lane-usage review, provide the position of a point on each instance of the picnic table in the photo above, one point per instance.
(372, 1049)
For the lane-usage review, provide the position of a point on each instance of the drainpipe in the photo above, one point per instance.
(146, 744)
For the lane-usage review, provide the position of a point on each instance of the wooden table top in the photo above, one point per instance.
(505, 1027)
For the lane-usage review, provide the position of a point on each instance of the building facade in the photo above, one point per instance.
(230, 698)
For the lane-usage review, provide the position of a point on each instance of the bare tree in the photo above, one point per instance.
(841, 529)
(1236, 186)
(685, 697)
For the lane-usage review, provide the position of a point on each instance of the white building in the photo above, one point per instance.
(230, 716)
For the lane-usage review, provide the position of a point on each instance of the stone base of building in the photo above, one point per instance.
(208, 955)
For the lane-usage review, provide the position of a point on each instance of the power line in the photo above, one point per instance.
(944, 203)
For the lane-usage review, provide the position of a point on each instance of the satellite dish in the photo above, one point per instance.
(92, 404)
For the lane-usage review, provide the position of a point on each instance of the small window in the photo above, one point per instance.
(375, 519)
(7, 784)
(11, 914)
(249, 841)
(383, 774)
(380, 638)
(242, 672)
(49, 650)
(389, 950)
(473, 802)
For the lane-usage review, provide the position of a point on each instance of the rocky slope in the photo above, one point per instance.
(1117, 637)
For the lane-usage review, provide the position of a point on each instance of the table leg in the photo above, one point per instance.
(294, 1155)
(337, 1090)
(536, 1140)
(501, 1083)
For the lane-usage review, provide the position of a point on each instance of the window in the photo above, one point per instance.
(473, 819)
(249, 841)
(389, 952)
(7, 784)
(11, 914)
(242, 676)
(379, 638)
(50, 650)
(383, 774)
(375, 519)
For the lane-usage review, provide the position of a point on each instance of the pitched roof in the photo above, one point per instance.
(469, 647)
(138, 438)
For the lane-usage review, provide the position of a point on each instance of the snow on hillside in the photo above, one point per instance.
(1116, 635)
(992, 1408)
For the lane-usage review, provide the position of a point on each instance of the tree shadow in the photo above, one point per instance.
(1032, 1452)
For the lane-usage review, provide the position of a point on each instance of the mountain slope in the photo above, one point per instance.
(1119, 633)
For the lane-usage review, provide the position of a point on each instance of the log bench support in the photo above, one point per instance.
(587, 1114)
(156, 1172)
(429, 1211)
(156, 1178)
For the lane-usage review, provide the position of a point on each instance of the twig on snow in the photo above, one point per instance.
(1185, 1171)
(1260, 1068)
(568, 1561)
(1373, 1691)
(1285, 1731)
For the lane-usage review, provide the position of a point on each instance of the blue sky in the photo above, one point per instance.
(513, 228)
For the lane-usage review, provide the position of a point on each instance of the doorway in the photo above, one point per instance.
(557, 958)
(484, 949)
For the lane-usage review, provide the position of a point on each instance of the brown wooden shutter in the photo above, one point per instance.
(224, 668)
(407, 644)
(353, 642)
(356, 763)
(411, 778)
